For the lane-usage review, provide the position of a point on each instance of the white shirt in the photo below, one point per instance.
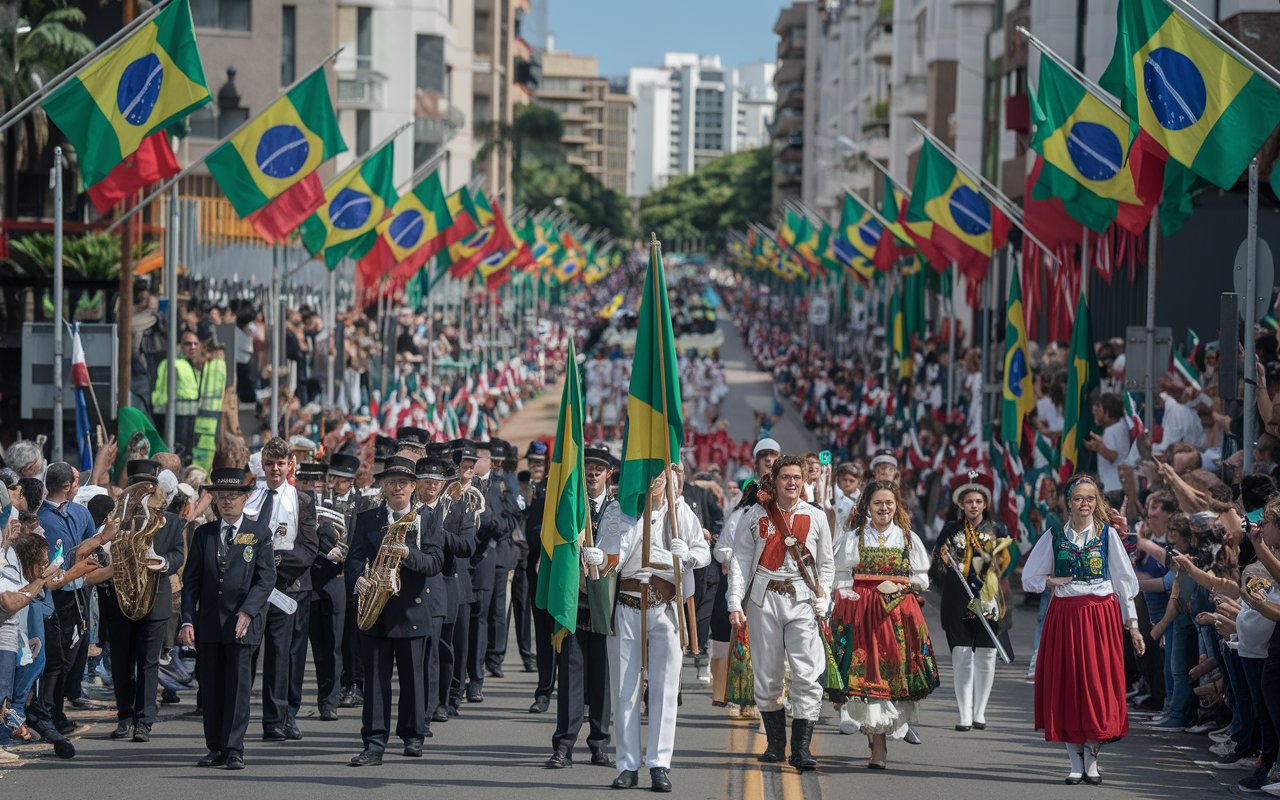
(622, 536)
(1180, 424)
(1115, 437)
(1123, 582)
(849, 555)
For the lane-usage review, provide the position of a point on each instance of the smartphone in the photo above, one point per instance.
(824, 458)
(58, 558)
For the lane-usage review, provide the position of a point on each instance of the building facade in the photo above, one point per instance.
(597, 120)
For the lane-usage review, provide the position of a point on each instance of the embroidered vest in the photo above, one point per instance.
(775, 548)
(1087, 562)
(876, 563)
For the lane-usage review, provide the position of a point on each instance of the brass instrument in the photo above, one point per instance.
(384, 573)
(470, 495)
(135, 585)
(339, 522)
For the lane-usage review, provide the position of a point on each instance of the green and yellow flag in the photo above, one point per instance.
(1082, 380)
(354, 204)
(1196, 98)
(1018, 399)
(564, 517)
(655, 427)
(151, 79)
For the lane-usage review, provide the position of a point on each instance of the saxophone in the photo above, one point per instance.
(384, 573)
(135, 585)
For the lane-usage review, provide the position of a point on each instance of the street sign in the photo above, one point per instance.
(819, 311)
(1264, 276)
(1136, 375)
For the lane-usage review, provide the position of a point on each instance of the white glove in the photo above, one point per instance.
(155, 562)
(679, 550)
(847, 594)
(363, 585)
(336, 555)
(643, 575)
(592, 556)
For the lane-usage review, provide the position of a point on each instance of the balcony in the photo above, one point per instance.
(911, 97)
(360, 89)
(880, 45)
(787, 122)
(789, 71)
(438, 124)
(876, 117)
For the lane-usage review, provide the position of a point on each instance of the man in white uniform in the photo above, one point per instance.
(781, 574)
(620, 541)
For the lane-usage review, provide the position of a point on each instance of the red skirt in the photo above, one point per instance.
(883, 653)
(1080, 690)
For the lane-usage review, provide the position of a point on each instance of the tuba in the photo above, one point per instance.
(384, 573)
(135, 585)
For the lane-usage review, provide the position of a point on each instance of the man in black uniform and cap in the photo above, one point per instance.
(498, 495)
(492, 538)
(136, 644)
(399, 635)
(327, 598)
(543, 623)
(345, 499)
(229, 575)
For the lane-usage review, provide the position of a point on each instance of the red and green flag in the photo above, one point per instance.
(153, 161)
(354, 204)
(140, 86)
(1196, 99)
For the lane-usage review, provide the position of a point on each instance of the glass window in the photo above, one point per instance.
(364, 131)
(430, 72)
(288, 44)
(364, 38)
(227, 15)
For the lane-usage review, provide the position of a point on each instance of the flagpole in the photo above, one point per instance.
(277, 323)
(1250, 313)
(331, 312)
(190, 167)
(28, 103)
(1084, 260)
(1153, 242)
(994, 195)
(58, 312)
(1093, 88)
(885, 172)
(171, 281)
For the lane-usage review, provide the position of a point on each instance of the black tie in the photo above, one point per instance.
(264, 516)
(228, 534)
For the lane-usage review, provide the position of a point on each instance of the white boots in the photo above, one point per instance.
(975, 673)
(962, 667)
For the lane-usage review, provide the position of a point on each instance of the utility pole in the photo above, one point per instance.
(124, 315)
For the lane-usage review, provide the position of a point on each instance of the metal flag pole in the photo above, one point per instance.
(187, 170)
(331, 313)
(1093, 88)
(1153, 245)
(58, 312)
(1250, 314)
(28, 103)
(171, 291)
(277, 323)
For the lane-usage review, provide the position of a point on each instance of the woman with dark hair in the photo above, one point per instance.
(1080, 681)
(880, 639)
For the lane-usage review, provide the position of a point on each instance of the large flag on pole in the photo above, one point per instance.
(1018, 397)
(564, 517)
(655, 426)
(965, 226)
(1082, 380)
(1197, 100)
(355, 203)
(153, 161)
(151, 79)
(80, 382)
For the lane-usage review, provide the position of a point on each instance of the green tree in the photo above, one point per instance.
(727, 193)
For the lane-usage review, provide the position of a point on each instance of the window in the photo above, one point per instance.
(227, 15)
(364, 131)
(288, 44)
(423, 152)
(364, 38)
(430, 69)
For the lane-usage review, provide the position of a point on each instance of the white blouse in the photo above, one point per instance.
(848, 556)
(1123, 582)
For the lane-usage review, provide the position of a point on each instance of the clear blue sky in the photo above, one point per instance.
(626, 33)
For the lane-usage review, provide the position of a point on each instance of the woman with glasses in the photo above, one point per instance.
(1080, 682)
(879, 637)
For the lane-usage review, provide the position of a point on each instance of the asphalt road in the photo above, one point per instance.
(495, 750)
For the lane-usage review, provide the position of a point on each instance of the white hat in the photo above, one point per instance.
(766, 446)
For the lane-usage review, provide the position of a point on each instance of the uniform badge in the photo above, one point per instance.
(520, 501)
(790, 541)
(281, 530)
(248, 554)
(244, 538)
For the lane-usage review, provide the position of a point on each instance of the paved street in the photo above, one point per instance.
(496, 749)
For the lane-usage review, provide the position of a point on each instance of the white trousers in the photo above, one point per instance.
(664, 686)
(975, 672)
(784, 630)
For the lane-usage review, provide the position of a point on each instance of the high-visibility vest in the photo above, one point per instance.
(202, 393)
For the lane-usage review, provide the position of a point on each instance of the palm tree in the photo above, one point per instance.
(38, 40)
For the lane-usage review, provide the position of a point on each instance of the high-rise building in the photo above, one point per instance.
(596, 119)
(790, 82)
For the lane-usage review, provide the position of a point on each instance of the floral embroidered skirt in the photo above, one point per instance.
(741, 688)
(883, 647)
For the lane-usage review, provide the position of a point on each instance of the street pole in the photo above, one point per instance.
(333, 333)
(57, 302)
(171, 291)
(1084, 261)
(1153, 244)
(951, 344)
(277, 340)
(1250, 309)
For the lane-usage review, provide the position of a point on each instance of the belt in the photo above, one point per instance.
(631, 601)
(784, 588)
(664, 590)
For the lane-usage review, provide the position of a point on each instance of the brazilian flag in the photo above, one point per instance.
(564, 518)
(141, 85)
(1082, 381)
(354, 203)
(655, 427)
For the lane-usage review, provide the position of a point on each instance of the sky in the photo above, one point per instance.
(627, 33)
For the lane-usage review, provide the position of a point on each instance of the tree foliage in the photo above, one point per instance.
(727, 193)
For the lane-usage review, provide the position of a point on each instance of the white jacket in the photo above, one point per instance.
(748, 547)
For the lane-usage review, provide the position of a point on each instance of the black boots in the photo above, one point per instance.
(801, 736)
(775, 731)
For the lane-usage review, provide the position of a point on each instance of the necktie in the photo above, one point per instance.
(227, 534)
(268, 502)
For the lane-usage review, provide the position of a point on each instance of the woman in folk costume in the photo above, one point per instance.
(978, 547)
(881, 641)
(1080, 683)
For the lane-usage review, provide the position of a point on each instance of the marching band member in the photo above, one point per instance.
(327, 602)
(621, 538)
(583, 660)
(981, 549)
(229, 574)
(435, 594)
(1080, 683)
(781, 573)
(881, 639)
(291, 518)
(344, 498)
(399, 634)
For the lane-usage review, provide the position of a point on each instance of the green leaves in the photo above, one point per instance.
(727, 193)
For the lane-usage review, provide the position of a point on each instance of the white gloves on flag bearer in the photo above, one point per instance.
(679, 550)
(592, 556)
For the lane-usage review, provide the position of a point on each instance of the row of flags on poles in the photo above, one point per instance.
(117, 113)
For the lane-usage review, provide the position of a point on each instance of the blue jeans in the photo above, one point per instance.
(1180, 646)
(1244, 720)
(8, 673)
(25, 676)
(1266, 739)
